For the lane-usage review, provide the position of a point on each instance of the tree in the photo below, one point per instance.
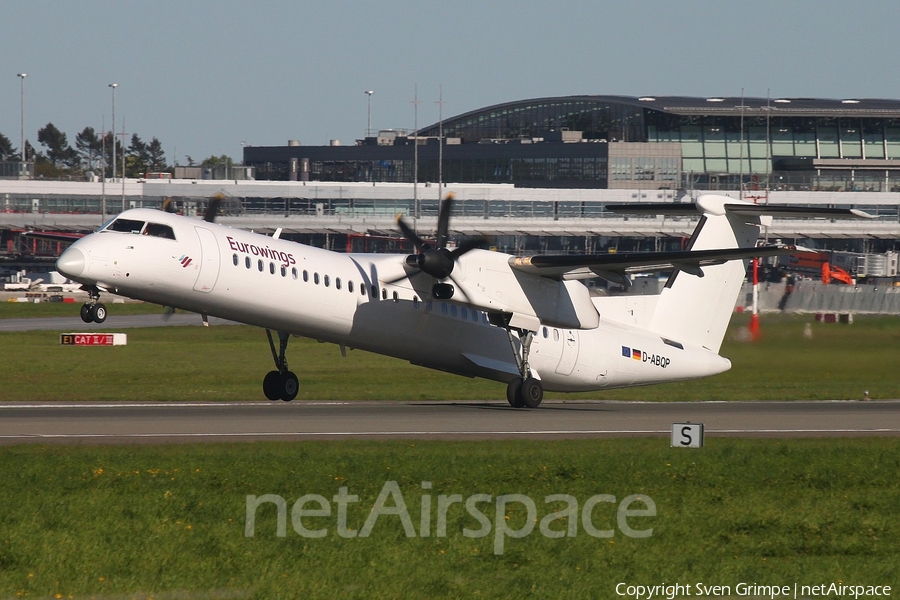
(88, 145)
(218, 161)
(7, 152)
(137, 157)
(156, 156)
(58, 149)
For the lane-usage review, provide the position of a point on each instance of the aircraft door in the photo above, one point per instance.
(569, 355)
(209, 260)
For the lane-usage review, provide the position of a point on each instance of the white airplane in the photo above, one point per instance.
(527, 321)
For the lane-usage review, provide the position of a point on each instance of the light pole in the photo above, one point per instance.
(22, 76)
(369, 117)
(114, 86)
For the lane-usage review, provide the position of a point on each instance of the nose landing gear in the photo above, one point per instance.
(93, 311)
(280, 384)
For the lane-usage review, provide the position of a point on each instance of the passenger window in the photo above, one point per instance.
(474, 316)
(350, 286)
(428, 306)
(452, 310)
(316, 278)
(305, 276)
(283, 271)
(327, 281)
(556, 335)
(294, 272)
(416, 301)
(374, 291)
(272, 268)
(337, 282)
(235, 259)
(126, 226)
(384, 293)
(396, 297)
(159, 230)
(247, 261)
(443, 308)
(464, 313)
(260, 265)
(546, 333)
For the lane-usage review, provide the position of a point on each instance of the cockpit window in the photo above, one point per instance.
(159, 230)
(126, 226)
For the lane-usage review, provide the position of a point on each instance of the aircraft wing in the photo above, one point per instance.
(617, 266)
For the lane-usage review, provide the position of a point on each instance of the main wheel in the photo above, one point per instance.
(289, 386)
(98, 312)
(272, 385)
(513, 389)
(86, 313)
(532, 392)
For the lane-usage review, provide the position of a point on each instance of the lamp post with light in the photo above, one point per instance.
(114, 86)
(22, 76)
(369, 113)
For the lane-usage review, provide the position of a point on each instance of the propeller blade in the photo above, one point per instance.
(408, 275)
(468, 244)
(409, 234)
(212, 209)
(443, 224)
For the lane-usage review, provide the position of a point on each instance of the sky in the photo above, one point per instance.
(206, 77)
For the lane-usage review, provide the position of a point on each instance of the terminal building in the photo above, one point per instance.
(621, 142)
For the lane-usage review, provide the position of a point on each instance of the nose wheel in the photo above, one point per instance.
(93, 311)
(280, 384)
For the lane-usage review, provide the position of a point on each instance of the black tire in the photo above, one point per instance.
(532, 392)
(272, 385)
(513, 396)
(86, 313)
(290, 386)
(98, 312)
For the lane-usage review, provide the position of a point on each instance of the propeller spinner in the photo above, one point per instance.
(438, 261)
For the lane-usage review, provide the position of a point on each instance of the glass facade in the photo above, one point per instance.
(608, 119)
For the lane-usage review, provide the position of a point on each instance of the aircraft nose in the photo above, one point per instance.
(71, 263)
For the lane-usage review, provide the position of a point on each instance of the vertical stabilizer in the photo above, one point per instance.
(695, 309)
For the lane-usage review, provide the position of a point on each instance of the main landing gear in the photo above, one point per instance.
(280, 384)
(524, 391)
(93, 311)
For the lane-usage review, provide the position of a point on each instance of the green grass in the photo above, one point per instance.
(228, 362)
(110, 521)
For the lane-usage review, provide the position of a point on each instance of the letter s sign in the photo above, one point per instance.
(687, 435)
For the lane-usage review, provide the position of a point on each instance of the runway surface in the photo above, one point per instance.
(198, 422)
(75, 323)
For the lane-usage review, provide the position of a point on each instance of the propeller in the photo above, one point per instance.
(438, 261)
(212, 207)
